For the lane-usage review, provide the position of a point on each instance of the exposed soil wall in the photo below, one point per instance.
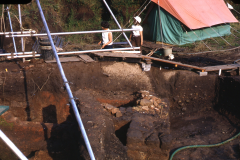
(43, 126)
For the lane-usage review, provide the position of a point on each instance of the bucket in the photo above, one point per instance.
(46, 49)
(167, 51)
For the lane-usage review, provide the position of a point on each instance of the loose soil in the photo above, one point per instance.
(203, 110)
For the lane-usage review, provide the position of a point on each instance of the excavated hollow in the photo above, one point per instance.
(40, 121)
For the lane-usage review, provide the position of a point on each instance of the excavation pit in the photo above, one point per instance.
(202, 110)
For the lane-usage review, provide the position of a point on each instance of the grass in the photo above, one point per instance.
(5, 123)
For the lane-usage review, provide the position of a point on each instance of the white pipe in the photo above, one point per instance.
(126, 51)
(12, 146)
(9, 17)
(20, 21)
(66, 83)
(29, 54)
(68, 33)
(24, 56)
(22, 32)
(19, 53)
(100, 50)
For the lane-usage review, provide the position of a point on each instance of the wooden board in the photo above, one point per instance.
(173, 62)
(222, 67)
(65, 59)
(124, 55)
(86, 58)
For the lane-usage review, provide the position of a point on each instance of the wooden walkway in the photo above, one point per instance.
(222, 67)
(85, 58)
(65, 59)
(121, 55)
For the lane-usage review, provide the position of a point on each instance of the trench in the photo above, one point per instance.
(202, 110)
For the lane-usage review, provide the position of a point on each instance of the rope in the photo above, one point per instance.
(202, 41)
(132, 18)
(210, 36)
(204, 146)
(220, 36)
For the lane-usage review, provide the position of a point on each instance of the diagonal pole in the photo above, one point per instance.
(66, 83)
(117, 22)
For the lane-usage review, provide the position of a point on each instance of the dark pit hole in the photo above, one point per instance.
(49, 114)
(122, 133)
(32, 154)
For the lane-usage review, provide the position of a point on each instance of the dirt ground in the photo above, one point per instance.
(204, 110)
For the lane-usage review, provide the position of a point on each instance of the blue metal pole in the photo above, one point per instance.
(117, 22)
(10, 22)
(71, 98)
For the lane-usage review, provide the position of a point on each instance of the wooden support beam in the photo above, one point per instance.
(175, 63)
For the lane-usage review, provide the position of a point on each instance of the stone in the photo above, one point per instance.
(122, 109)
(136, 108)
(119, 114)
(187, 100)
(115, 110)
(145, 102)
(30, 66)
(145, 108)
(153, 141)
(184, 108)
(134, 137)
(166, 141)
(129, 110)
(109, 107)
(144, 93)
(138, 101)
(158, 100)
(155, 103)
(152, 107)
(157, 110)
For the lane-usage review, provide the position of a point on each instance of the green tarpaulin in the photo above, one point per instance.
(174, 32)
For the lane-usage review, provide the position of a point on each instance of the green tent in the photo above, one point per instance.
(174, 31)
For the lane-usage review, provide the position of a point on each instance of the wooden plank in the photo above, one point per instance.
(125, 55)
(222, 67)
(173, 62)
(86, 58)
(126, 51)
(65, 59)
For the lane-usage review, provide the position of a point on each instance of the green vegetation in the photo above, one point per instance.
(5, 124)
(74, 15)
(85, 15)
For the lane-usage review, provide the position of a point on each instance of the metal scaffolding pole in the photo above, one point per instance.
(71, 98)
(65, 33)
(20, 21)
(14, 33)
(10, 22)
(29, 54)
(117, 22)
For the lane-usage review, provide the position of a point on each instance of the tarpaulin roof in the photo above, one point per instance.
(197, 14)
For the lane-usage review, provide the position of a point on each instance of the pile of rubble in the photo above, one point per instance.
(145, 125)
(146, 104)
